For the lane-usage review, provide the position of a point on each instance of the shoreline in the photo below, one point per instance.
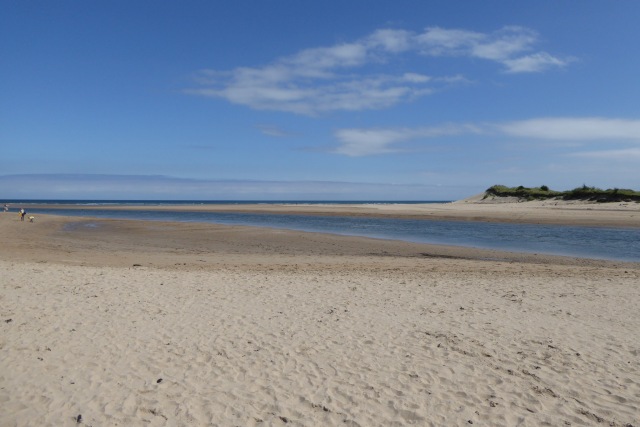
(163, 244)
(620, 215)
(119, 242)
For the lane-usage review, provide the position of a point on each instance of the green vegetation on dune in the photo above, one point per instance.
(543, 192)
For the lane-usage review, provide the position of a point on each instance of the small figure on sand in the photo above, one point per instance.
(6, 207)
(22, 214)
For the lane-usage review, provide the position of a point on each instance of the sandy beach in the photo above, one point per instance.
(132, 323)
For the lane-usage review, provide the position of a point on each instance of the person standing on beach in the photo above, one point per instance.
(22, 214)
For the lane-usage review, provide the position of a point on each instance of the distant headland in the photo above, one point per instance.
(584, 193)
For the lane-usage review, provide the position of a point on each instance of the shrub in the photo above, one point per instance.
(581, 193)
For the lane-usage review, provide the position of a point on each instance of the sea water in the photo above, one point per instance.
(621, 244)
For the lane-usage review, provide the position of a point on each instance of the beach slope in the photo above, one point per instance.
(164, 324)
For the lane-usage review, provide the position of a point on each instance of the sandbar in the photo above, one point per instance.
(623, 214)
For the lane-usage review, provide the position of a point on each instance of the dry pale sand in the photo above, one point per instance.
(132, 324)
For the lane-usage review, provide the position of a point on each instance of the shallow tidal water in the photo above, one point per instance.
(620, 244)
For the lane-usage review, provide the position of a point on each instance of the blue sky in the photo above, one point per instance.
(341, 100)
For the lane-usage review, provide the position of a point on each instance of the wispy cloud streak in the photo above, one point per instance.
(158, 187)
(356, 142)
(273, 131)
(570, 128)
(621, 155)
(366, 142)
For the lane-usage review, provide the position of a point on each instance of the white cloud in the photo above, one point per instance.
(625, 154)
(560, 132)
(336, 77)
(415, 78)
(318, 62)
(366, 142)
(441, 41)
(534, 63)
(506, 46)
(347, 95)
(391, 40)
(589, 128)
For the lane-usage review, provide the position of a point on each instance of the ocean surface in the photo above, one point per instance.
(621, 244)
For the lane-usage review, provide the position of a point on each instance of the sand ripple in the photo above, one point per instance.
(428, 342)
